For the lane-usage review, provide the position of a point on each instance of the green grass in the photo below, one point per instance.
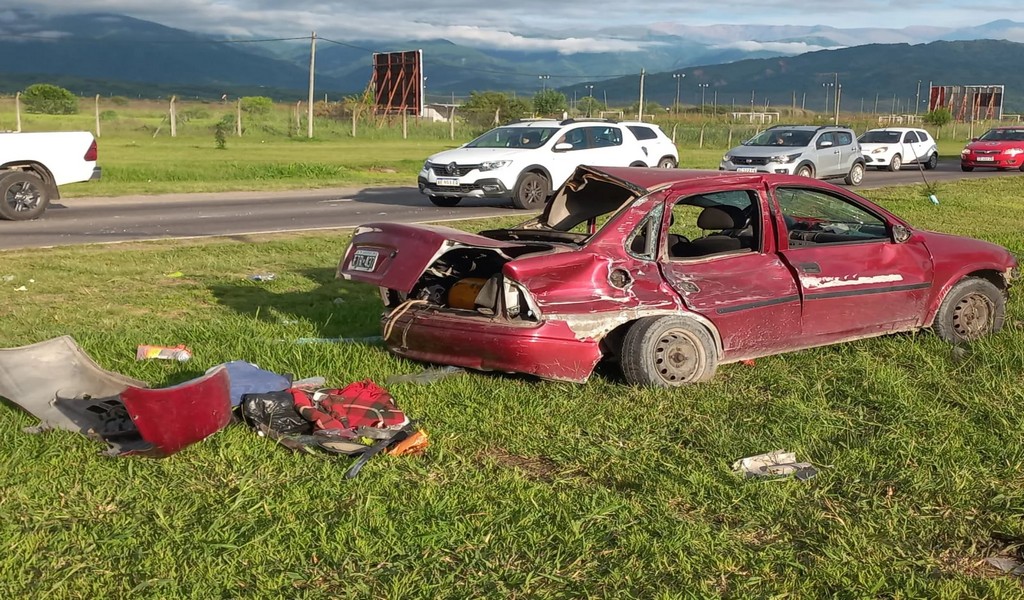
(530, 488)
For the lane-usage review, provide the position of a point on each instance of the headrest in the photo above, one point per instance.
(721, 217)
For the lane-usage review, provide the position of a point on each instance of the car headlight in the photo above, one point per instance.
(1014, 151)
(965, 152)
(880, 150)
(784, 158)
(491, 165)
(426, 165)
(727, 158)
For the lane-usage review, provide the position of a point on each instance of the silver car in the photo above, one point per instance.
(824, 152)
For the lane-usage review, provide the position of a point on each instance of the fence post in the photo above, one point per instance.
(97, 115)
(298, 117)
(674, 125)
(405, 125)
(700, 144)
(729, 143)
(238, 118)
(17, 111)
(174, 118)
(355, 113)
(451, 123)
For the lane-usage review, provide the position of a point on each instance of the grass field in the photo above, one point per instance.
(531, 489)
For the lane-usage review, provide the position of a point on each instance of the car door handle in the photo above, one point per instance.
(809, 267)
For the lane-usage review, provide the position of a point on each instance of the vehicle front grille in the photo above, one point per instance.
(441, 189)
(749, 161)
(442, 170)
(987, 152)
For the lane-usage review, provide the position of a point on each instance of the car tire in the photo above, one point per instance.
(667, 162)
(856, 174)
(933, 161)
(444, 201)
(966, 169)
(23, 196)
(531, 191)
(1022, 166)
(972, 308)
(805, 171)
(667, 352)
(895, 163)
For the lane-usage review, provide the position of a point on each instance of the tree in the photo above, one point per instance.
(590, 106)
(257, 105)
(550, 103)
(938, 117)
(482, 107)
(47, 99)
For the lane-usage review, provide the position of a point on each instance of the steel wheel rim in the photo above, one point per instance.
(666, 164)
(677, 356)
(532, 191)
(973, 316)
(896, 163)
(22, 197)
(803, 172)
(858, 174)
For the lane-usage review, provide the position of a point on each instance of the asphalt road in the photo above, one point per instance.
(133, 218)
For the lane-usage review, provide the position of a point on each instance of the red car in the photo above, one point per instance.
(999, 148)
(672, 273)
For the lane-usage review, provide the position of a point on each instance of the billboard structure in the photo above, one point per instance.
(397, 82)
(968, 102)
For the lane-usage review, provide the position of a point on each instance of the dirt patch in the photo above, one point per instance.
(534, 467)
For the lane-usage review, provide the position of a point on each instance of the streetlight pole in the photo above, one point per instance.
(825, 87)
(917, 102)
(703, 88)
(544, 82)
(590, 94)
(679, 78)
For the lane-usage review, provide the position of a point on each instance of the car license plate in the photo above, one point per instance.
(746, 170)
(985, 159)
(448, 181)
(364, 260)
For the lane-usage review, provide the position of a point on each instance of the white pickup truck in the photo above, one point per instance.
(34, 165)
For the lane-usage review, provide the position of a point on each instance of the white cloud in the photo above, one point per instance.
(776, 47)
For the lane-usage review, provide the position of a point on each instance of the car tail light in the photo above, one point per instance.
(92, 152)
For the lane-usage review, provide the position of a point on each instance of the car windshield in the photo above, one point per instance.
(1004, 135)
(781, 137)
(880, 137)
(514, 137)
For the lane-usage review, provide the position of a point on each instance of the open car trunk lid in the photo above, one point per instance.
(395, 255)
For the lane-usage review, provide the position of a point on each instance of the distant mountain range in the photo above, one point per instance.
(115, 54)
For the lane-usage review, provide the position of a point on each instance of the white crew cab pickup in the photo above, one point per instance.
(33, 166)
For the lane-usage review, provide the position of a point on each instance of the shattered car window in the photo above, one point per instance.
(815, 217)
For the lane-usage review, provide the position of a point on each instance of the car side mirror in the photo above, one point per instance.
(974, 139)
(900, 234)
(562, 147)
(824, 144)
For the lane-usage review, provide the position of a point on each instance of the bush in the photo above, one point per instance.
(257, 105)
(938, 117)
(47, 99)
(108, 115)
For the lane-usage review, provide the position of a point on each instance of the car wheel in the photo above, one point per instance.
(973, 308)
(933, 161)
(966, 169)
(667, 352)
(23, 196)
(805, 171)
(667, 163)
(896, 162)
(531, 191)
(856, 174)
(445, 201)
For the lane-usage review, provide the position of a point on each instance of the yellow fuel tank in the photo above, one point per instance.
(463, 293)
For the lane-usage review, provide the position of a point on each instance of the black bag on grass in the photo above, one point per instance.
(274, 411)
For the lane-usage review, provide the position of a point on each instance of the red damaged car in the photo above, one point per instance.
(672, 273)
(998, 148)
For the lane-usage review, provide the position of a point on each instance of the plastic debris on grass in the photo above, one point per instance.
(777, 463)
(428, 375)
(262, 277)
(179, 353)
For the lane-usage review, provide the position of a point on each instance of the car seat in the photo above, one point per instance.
(729, 224)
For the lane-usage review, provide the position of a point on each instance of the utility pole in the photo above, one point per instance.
(703, 88)
(640, 111)
(839, 96)
(825, 87)
(312, 72)
(917, 103)
(679, 78)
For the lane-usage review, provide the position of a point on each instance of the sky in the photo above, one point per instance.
(567, 26)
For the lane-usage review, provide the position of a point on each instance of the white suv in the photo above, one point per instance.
(893, 147)
(524, 161)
